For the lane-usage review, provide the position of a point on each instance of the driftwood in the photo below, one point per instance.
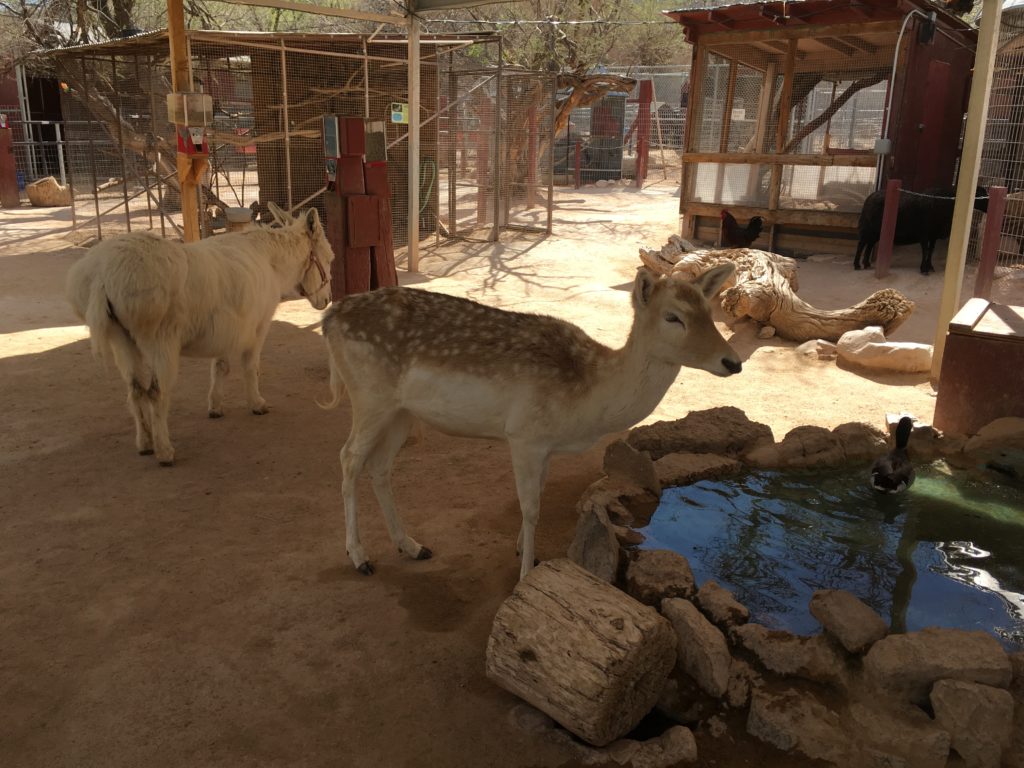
(765, 288)
(580, 650)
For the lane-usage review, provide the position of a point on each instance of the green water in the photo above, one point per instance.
(949, 552)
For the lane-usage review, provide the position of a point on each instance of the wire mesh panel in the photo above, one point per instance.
(525, 132)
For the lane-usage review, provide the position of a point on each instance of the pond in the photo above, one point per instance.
(949, 552)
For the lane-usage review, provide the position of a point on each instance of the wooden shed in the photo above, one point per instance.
(789, 99)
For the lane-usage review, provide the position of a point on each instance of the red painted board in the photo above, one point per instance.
(385, 273)
(363, 221)
(352, 136)
(350, 176)
(357, 270)
(334, 228)
(9, 197)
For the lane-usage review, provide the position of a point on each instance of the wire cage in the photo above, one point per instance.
(269, 92)
(1002, 162)
(787, 101)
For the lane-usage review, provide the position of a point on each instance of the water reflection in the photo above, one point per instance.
(949, 552)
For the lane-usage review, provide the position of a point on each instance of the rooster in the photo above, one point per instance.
(735, 236)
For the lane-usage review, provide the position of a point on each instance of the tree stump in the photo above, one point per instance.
(764, 289)
(583, 652)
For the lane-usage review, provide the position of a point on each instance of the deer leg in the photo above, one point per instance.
(379, 464)
(519, 540)
(529, 463)
(219, 368)
(362, 440)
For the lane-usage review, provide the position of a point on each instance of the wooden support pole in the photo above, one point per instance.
(888, 234)
(413, 249)
(531, 159)
(9, 195)
(190, 167)
(990, 242)
(643, 131)
(970, 162)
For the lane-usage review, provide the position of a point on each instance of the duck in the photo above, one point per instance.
(894, 472)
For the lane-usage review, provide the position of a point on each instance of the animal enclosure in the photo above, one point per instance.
(478, 162)
(787, 101)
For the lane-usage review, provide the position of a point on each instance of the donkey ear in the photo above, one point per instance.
(312, 221)
(711, 282)
(643, 286)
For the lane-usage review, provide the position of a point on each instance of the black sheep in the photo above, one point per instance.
(921, 218)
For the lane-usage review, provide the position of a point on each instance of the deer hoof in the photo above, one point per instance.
(366, 568)
(215, 414)
(423, 554)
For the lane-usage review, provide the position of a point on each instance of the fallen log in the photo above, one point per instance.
(764, 289)
(581, 651)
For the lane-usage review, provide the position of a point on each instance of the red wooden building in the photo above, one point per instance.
(788, 102)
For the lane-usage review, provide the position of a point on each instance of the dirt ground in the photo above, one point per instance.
(206, 615)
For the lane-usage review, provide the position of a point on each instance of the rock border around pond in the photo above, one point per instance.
(850, 696)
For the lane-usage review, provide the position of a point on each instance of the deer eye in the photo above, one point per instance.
(670, 318)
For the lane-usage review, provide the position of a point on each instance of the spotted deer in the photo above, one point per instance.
(537, 382)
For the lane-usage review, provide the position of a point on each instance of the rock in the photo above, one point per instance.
(907, 665)
(674, 747)
(726, 431)
(796, 721)
(847, 619)
(766, 332)
(717, 727)
(682, 244)
(595, 546)
(807, 349)
(718, 604)
(685, 468)
(655, 574)
(1014, 756)
(623, 462)
(612, 495)
(742, 680)
(978, 718)
(999, 445)
(701, 651)
(893, 735)
(812, 658)
(811, 446)
(826, 349)
(48, 193)
(530, 719)
(683, 701)
(869, 348)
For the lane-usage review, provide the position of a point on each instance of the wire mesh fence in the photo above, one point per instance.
(39, 146)
(269, 94)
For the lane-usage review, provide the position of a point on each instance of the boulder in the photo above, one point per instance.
(811, 446)
(718, 604)
(656, 574)
(595, 545)
(1014, 756)
(48, 193)
(742, 680)
(869, 348)
(623, 462)
(907, 665)
(978, 718)
(847, 619)
(685, 468)
(685, 702)
(701, 650)
(812, 658)
(676, 746)
(999, 445)
(725, 430)
(890, 734)
(796, 721)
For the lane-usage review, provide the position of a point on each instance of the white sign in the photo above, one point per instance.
(739, 114)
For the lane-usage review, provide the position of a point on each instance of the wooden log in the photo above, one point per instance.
(764, 289)
(580, 650)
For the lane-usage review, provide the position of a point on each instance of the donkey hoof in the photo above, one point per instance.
(424, 554)
(145, 452)
(261, 411)
(215, 414)
(366, 568)
(167, 463)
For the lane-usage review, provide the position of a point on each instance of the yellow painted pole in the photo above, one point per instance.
(970, 161)
(190, 167)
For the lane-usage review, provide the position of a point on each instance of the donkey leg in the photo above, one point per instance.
(379, 463)
(367, 430)
(529, 464)
(251, 373)
(136, 377)
(219, 369)
(165, 373)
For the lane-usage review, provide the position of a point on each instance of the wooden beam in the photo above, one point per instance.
(769, 158)
(321, 10)
(787, 33)
(838, 220)
(837, 45)
(859, 43)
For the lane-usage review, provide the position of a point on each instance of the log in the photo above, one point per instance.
(581, 651)
(764, 289)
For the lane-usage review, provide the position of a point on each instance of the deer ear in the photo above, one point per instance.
(711, 282)
(643, 286)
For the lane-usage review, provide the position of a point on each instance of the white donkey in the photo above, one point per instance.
(148, 301)
(538, 382)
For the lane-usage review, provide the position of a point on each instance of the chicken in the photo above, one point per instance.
(735, 236)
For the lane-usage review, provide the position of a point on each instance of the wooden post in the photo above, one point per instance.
(578, 155)
(990, 242)
(687, 222)
(531, 159)
(190, 167)
(413, 249)
(970, 161)
(9, 196)
(643, 131)
(888, 234)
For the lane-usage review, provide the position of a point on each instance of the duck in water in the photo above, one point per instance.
(894, 472)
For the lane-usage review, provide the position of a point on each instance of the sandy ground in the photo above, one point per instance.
(206, 615)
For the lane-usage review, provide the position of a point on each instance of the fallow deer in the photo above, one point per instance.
(538, 382)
